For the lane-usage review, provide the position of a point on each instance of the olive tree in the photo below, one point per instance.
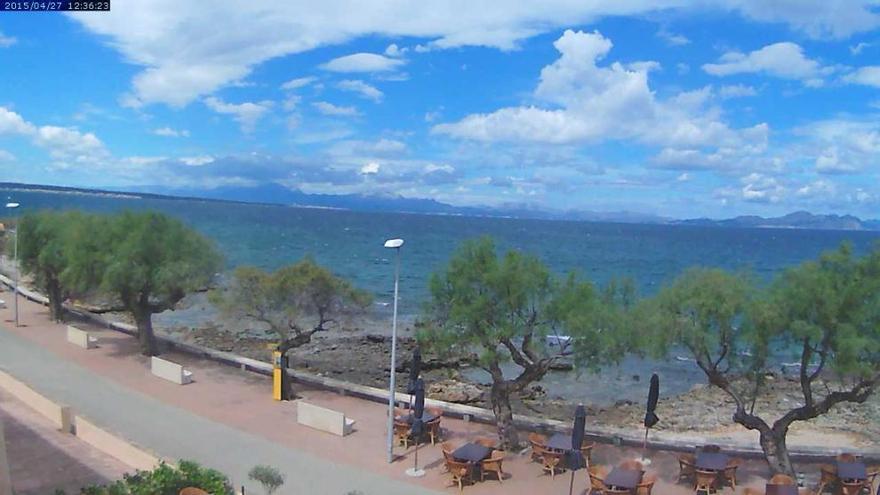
(148, 261)
(504, 308)
(294, 302)
(42, 247)
(825, 312)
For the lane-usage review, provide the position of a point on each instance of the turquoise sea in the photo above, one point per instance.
(350, 243)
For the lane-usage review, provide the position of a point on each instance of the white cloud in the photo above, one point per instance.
(867, 76)
(785, 60)
(7, 41)
(361, 88)
(6, 157)
(362, 62)
(395, 51)
(371, 168)
(817, 189)
(736, 91)
(187, 52)
(328, 108)
(170, 132)
(66, 145)
(246, 114)
(672, 39)
(298, 83)
(840, 146)
(291, 102)
(13, 123)
(593, 103)
(857, 48)
(195, 161)
(761, 189)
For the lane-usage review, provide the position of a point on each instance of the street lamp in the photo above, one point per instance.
(13, 206)
(393, 244)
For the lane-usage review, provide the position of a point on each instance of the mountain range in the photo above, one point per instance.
(277, 194)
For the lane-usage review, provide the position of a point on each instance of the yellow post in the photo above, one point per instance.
(276, 375)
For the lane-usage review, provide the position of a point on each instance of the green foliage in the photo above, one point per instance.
(166, 480)
(291, 298)
(268, 476)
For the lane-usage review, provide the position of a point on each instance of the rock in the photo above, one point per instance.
(375, 338)
(623, 402)
(455, 391)
(636, 378)
(561, 366)
(534, 392)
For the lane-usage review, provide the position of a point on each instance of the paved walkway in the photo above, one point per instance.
(44, 459)
(226, 419)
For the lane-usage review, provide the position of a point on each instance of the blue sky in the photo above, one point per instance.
(682, 108)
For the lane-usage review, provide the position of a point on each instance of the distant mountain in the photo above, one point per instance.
(796, 220)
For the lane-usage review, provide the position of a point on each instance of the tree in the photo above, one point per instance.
(295, 301)
(269, 477)
(148, 261)
(504, 308)
(826, 312)
(42, 253)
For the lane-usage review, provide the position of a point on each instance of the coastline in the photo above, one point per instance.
(358, 355)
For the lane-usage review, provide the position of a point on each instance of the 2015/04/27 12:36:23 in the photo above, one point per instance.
(53, 6)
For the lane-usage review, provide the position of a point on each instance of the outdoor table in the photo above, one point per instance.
(711, 461)
(426, 417)
(772, 489)
(560, 442)
(852, 471)
(472, 452)
(628, 479)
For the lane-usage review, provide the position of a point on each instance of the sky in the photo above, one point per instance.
(673, 107)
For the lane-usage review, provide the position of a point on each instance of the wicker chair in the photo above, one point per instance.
(492, 465)
(617, 491)
(705, 481)
(539, 444)
(587, 451)
(729, 473)
(401, 433)
(460, 472)
(854, 487)
(873, 475)
(434, 430)
(827, 477)
(485, 442)
(597, 479)
(552, 462)
(686, 467)
(647, 484)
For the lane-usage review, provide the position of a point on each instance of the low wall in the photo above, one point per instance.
(617, 436)
(114, 446)
(58, 414)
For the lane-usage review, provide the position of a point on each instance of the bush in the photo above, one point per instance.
(166, 480)
(268, 476)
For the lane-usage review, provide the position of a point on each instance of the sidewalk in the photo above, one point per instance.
(226, 419)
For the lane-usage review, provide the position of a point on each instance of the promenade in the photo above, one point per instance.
(227, 420)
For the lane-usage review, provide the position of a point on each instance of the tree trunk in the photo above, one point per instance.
(53, 291)
(500, 396)
(776, 451)
(144, 321)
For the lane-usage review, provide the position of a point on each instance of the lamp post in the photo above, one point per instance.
(393, 244)
(14, 206)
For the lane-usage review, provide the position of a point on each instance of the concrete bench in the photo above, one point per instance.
(170, 371)
(81, 338)
(323, 419)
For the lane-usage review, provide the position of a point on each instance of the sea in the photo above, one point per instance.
(350, 243)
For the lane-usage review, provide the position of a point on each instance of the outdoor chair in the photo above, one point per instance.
(401, 433)
(193, 491)
(647, 484)
(827, 477)
(873, 475)
(587, 451)
(686, 468)
(400, 412)
(782, 479)
(492, 465)
(705, 481)
(632, 465)
(597, 479)
(436, 411)
(617, 491)
(853, 487)
(447, 448)
(539, 444)
(552, 462)
(485, 442)
(460, 471)
(729, 473)
(434, 430)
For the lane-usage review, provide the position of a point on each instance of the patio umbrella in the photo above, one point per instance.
(575, 457)
(651, 418)
(415, 369)
(418, 426)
